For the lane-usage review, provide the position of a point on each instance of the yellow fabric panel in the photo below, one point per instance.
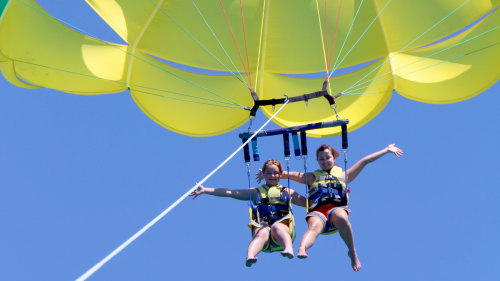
(46, 53)
(147, 26)
(162, 96)
(404, 21)
(456, 74)
(293, 39)
(292, 33)
(359, 109)
(296, 41)
(7, 69)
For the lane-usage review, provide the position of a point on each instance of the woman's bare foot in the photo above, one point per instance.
(250, 261)
(356, 265)
(287, 253)
(302, 254)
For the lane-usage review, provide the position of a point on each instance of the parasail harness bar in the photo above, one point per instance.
(299, 150)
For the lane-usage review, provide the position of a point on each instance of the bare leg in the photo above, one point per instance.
(314, 228)
(260, 237)
(281, 233)
(341, 221)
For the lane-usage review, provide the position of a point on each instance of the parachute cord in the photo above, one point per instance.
(198, 42)
(249, 184)
(247, 71)
(131, 54)
(407, 45)
(166, 211)
(361, 36)
(220, 44)
(357, 88)
(221, 103)
(433, 65)
(322, 40)
(334, 35)
(246, 45)
(307, 186)
(263, 22)
(335, 65)
(287, 159)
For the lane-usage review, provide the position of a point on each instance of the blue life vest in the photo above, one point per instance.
(271, 204)
(328, 188)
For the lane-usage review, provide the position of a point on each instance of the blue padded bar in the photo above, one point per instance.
(246, 152)
(286, 145)
(255, 150)
(344, 137)
(303, 143)
(280, 131)
(296, 146)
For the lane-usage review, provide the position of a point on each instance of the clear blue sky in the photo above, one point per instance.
(80, 174)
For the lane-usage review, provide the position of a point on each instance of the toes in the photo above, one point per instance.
(250, 261)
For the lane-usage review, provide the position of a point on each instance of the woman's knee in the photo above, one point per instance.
(261, 233)
(279, 227)
(340, 218)
(315, 224)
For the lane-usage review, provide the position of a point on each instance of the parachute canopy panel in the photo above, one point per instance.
(454, 70)
(192, 65)
(43, 52)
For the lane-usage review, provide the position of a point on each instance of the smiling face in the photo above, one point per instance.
(325, 159)
(272, 174)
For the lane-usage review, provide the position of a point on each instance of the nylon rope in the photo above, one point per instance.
(423, 58)
(235, 43)
(222, 103)
(306, 185)
(246, 45)
(199, 43)
(287, 159)
(249, 185)
(129, 53)
(362, 35)
(322, 38)
(411, 42)
(334, 35)
(347, 36)
(97, 266)
(441, 62)
(326, 39)
(220, 44)
(138, 39)
(257, 69)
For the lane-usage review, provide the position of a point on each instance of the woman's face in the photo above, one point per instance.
(272, 175)
(325, 160)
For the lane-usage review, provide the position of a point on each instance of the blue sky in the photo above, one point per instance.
(81, 174)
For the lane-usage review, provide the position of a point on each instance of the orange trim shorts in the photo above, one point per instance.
(324, 212)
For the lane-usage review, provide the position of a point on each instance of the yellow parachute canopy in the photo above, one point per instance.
(191, 65)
